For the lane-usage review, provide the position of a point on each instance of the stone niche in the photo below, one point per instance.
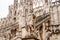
(29, 39)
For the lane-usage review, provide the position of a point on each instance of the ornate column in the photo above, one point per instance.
(44, 31)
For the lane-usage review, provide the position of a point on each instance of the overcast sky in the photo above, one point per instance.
(4, 7)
